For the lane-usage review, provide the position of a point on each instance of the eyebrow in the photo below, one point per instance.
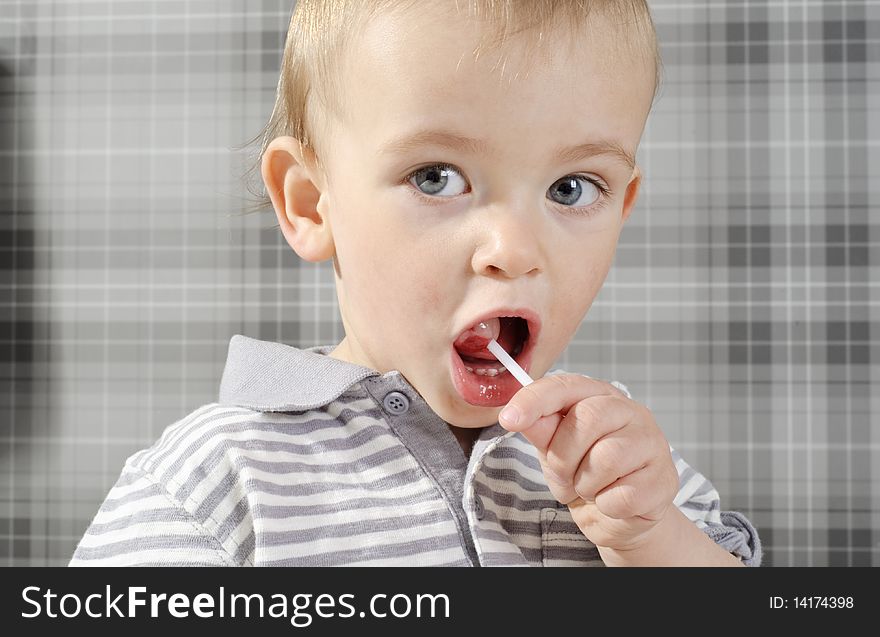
(453, 141)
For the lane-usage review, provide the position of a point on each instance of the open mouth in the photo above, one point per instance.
(511, 332)
(477, 375)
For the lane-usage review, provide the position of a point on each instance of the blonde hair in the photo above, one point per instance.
(319, 31)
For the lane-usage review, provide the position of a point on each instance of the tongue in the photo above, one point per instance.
(473, 341)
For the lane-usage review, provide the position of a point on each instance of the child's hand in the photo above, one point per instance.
(602, 454)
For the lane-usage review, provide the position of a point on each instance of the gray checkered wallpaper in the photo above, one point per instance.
(740, 309)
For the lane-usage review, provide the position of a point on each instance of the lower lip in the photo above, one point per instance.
(487, 391)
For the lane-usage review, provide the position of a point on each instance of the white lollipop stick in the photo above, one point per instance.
(512, 366)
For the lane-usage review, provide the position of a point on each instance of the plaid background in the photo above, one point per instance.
(741, 307)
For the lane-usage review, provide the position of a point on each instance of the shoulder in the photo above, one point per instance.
(194, 495)
(218, 441)
(198, 430)
(203, 455)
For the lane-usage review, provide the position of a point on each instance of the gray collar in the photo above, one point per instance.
(268, 376)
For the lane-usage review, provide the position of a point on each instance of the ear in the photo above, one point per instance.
(632, 192)
(291, 183)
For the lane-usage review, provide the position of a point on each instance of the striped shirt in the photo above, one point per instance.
(307, 460)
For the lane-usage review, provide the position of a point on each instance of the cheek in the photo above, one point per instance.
(429, 296)
(416, 280)
(404, 280)
(583, 282)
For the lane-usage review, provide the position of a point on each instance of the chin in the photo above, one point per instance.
(473, 417)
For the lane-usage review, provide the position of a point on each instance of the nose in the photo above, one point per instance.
(510, 243)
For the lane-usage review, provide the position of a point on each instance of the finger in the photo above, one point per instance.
(542, 432)
(586, 424)
(612, 457)
(639, 494)
(562, 489)
(549, 395)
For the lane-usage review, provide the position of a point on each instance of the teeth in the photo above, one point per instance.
(486, 371)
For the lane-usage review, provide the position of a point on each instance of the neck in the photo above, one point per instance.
(466, 438)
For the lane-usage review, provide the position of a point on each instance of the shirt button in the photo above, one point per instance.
(479, 510)
(396, 403)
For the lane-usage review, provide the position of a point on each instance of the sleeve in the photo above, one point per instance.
(140, 524)
(700, 502)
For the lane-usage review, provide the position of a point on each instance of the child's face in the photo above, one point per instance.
(514, 224)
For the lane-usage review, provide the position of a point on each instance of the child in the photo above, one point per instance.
(462, 164)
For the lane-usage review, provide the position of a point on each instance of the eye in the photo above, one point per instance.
(576, 191)
(434, 179)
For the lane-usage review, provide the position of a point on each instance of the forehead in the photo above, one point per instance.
(425, 69)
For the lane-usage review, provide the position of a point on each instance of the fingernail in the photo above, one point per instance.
(510, 416)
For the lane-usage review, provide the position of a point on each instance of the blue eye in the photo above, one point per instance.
(433, 180)
(569, 191)
(445, 181)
